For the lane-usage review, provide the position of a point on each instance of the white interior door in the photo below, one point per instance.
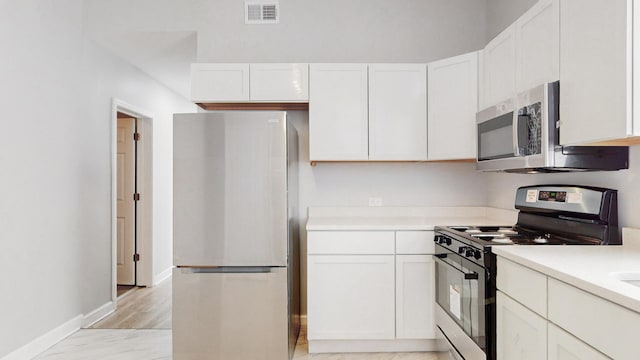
(126, 206)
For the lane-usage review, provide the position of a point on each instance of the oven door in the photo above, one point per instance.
(460, 296)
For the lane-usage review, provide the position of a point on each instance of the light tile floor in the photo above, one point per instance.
(152, 344)
(118, 344)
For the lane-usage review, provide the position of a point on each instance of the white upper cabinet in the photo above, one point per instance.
(499, 68)
(397, 112)
(338, 112)
(538, 45)
(452, 106)
(216, 83)
(219, 82)
(523, 56)
(279, 82)
(596, 77)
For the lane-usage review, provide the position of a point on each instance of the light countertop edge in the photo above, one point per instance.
(588, 268)
(399, 219)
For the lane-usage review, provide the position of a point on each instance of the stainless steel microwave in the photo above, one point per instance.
(522, 135)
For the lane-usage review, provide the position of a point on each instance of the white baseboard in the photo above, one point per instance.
(360, 346)
(157, 279)
(98, 314)
(42, 343)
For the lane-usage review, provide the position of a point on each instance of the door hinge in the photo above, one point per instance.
(136, 197)
(136, 257)
(136, 136)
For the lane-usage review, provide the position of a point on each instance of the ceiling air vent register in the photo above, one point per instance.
(261, 12)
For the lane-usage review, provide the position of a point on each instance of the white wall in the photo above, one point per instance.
(344, 31)
(55, 213)
(309, 30)
(398, 184)
(502, 187)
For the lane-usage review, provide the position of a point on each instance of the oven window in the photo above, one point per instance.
(495, 138)
(462, 298)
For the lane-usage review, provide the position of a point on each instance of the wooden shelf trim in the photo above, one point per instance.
(315, 162)
(254, 106)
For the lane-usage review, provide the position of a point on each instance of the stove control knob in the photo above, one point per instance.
(462, 249)
(469, 252)
(436, 238)
(447, 241)
(477, 254)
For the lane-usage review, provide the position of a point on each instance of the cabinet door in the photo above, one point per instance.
(500, 67)
(279, 82)
(350, 297)
(338, 112)
(397, 112)
(596, 61)
(521, 334)
(538, 45)
(563, 346)
(453, 103)
(415, 297)
(219, 82)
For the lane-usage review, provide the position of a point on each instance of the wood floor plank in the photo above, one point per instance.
(143, 308)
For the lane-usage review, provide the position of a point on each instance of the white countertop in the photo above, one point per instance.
(404, 218)
(589, 268)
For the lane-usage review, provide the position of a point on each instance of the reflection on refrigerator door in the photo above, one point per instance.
(223, 315)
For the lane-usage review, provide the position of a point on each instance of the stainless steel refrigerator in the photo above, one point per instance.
(235, 236)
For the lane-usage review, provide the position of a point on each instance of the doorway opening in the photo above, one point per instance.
(127, 196)
(131, 199)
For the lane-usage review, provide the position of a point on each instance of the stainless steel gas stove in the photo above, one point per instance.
(466, 267)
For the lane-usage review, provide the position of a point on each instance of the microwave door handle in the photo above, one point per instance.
(516, 142)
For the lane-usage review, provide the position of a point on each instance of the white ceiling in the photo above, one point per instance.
(164, 55)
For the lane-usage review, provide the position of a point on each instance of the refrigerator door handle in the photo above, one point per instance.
(229, 270)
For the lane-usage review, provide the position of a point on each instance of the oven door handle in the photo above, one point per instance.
(467, 276)
(471, 276)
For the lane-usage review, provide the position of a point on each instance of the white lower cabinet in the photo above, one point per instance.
(350, 297)
(572, 325)
(564, 346)
(414, 294)
(370, 296)
(521, 333)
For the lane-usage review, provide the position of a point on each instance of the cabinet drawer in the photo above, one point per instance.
(414, 242)
(610, 328)
(527, 286)
(351, 242)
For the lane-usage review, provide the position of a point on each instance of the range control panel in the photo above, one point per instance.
(560, 196)
(576, 199)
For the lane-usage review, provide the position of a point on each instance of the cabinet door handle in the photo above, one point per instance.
(441, 256)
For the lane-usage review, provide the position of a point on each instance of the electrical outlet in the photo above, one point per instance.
(374, 201)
